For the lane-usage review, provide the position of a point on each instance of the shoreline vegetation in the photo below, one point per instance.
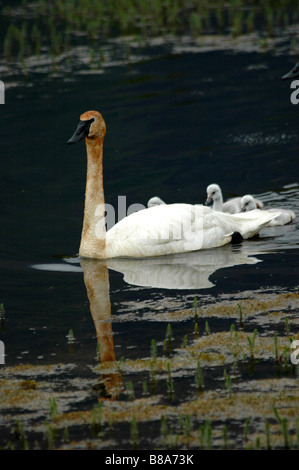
(35, 28)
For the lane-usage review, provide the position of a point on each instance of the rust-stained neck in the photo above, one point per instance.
(93, 238)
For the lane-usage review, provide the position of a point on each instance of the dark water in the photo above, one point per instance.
(174, 125)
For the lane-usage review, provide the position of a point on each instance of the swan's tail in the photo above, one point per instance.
(248, 224)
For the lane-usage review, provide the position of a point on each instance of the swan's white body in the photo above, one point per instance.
(285, 217)
(232, 206)
(154, 201)
(178, 228)
(156, 231)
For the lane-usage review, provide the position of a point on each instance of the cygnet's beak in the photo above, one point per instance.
(209, 200)
(81, 131)
(294, 73)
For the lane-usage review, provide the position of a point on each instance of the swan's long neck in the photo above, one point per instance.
(93, 238)
(218, 203)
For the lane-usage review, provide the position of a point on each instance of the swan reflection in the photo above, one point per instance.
(184, 271)
(96, 280)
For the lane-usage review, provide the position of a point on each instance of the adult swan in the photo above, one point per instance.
(156, 231)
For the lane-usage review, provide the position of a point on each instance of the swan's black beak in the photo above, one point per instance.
(209, 200)
(81, 131)
(294, 73)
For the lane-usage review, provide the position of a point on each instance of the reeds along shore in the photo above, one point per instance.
(53, 27)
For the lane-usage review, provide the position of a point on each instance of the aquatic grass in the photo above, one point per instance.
(284, 428)
(241, 324)
(71, 340)
(65, 435)
(134, 433)
(53, 408)
(228, 382)
(246, 429)
(276, 413)
(268, 434)
(205, 437)
(251, 342)
(285, 433)
(199, 378)
(187, 429)
(225, 438)
(50, 435)
(19, 434)
(170, 387)
(168, 340)
(286, 358)
(207, 328)
(153, 349)
(130, 390)
(70, 337)
(195, 310)
(144, 389)
(153, 378)
(196, 24)
(89, 22)
(96, 424)
(276, 346)
(257, 395)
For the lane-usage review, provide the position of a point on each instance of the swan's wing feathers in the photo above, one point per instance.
(178, 228)
(159, 230)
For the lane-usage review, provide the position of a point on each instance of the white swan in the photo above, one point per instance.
(286, 216)
(232, 206)
(156, 231)
(155, 201)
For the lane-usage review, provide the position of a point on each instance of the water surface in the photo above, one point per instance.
(175, 123)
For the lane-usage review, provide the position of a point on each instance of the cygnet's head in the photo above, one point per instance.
(155, 201)
(294, 73)
(247, 203)
(91, 126)
(213, 193)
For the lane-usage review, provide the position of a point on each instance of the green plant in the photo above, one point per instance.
(96, 420)
(153, 349)
(228, 383)
(170, 387)
(251, 342)
(53, 408)
(130, 390)
(241, 324)
(134, 433)
(225, 438)
(205, 435)
(199, 377)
